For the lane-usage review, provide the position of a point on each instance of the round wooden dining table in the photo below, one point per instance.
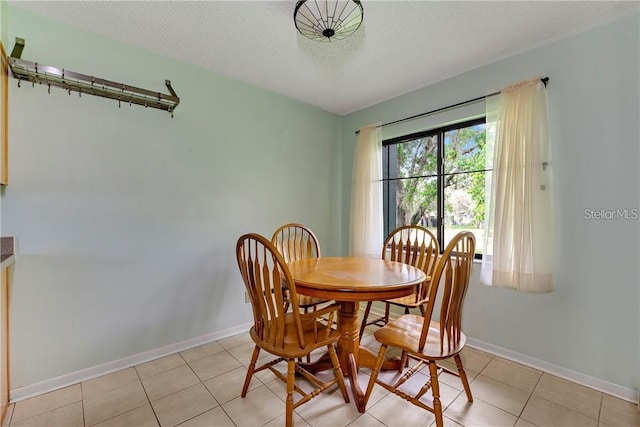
(349, 280)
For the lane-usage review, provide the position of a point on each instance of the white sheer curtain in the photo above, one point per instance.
(366, 194)
(518, 235)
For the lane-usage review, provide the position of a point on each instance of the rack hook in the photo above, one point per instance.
(19, 80)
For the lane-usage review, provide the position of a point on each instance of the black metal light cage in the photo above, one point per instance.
(327, 20)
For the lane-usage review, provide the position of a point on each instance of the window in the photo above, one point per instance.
(436, 179)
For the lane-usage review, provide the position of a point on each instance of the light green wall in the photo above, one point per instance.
(126, 219)
(3, 23)
(590, 323)
(3, 38)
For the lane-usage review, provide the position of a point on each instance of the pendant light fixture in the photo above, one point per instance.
(328, 20)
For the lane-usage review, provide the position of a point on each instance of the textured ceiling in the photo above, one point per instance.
(401, 46)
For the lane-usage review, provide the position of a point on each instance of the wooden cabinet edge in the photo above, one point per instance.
(4, 345)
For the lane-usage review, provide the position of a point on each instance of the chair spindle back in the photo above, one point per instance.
(416, 246)
(452, 277)
(265, 272)
(295, 241)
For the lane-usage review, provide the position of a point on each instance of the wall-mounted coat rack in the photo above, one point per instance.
(83, 84)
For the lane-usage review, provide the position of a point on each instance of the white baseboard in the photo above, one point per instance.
(36, 389)
(616, 390)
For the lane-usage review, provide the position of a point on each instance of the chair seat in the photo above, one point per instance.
(325, 336)
(407, 301)
(440, 340)
(404, 333)
(305, 301)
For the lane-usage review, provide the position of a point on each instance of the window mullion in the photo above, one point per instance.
(402, 203)
(440, 202)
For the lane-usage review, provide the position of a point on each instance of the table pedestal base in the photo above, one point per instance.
(350, 370)
(350, 353)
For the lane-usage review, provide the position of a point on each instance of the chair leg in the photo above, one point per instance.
(435, 389)
(404, 361)
(291, 368)
(338, 372)
(421, 306)
(306, 310)
(386, 312)
(286, 301)
(374, 373)
(250, 370)
(463, 377)
(364, 319)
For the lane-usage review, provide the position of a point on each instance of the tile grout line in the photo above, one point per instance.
(147, 395)
(224, 350)
(600, 409)
(208, 391)
(568, 409)
(200, 381)
(11, 415)
(509, 385)
(278, 416)
(52, 410)
(491, 358)
(531, 394)
(109, 391)
(203, 357)
(84, 420)
(262, 383)
(529, 398)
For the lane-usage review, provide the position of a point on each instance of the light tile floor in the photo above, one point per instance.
(201, 387)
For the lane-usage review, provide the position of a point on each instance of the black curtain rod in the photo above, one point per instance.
(544, 80)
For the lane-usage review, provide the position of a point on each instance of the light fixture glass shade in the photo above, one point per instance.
(327, 20)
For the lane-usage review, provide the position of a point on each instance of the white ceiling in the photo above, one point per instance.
(401, 45)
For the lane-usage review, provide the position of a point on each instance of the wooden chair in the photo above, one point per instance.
(414, 245)
(429, 341)
(285, 333)
(294, 242)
